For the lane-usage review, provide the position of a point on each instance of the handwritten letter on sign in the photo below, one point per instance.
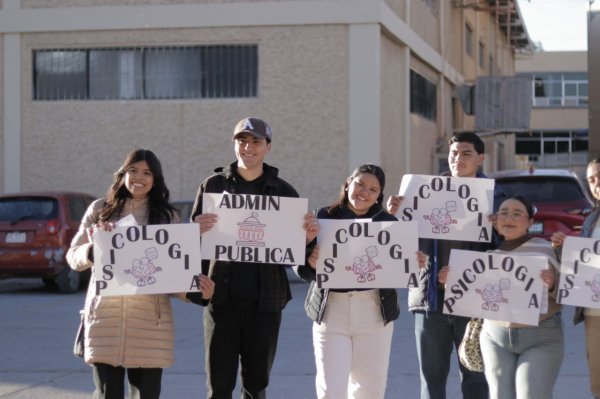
(580, 272)
(154, 259)
(448, 208)
(364, 254)
(494, 286)
(255, 228)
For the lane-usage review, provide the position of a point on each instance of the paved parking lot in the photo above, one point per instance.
(38, 327)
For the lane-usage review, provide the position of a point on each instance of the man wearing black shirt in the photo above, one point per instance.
(241, 322)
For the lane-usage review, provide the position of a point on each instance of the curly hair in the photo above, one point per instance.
(160, 211)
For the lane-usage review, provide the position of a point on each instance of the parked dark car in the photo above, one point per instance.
(185, 207)
(36, 230)
(560, 198)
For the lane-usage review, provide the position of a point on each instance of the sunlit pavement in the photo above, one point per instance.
(38, 328)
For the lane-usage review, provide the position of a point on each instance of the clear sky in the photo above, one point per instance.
(560, 25)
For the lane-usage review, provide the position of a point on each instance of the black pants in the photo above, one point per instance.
(144, 383)
(234, 335)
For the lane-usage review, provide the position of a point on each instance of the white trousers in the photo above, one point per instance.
(352, 347)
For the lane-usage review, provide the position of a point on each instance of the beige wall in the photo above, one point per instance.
(395, 104)
(559, 118)
(93, 3)
(557, 61)
(453, 36)
(399, 7)
(425, 23)
(302, 94)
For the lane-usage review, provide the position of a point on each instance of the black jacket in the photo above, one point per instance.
(316, 298)
(274, 286)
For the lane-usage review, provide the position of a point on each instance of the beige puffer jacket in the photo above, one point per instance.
(127, 331)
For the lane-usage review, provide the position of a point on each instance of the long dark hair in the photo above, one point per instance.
(159, 209)
(370, 169)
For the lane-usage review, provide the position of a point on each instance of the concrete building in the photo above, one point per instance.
(341, 82)
(559, 118)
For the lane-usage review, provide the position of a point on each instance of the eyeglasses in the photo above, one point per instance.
(510, 216)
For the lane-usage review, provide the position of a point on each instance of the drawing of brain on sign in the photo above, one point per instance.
(448, 208)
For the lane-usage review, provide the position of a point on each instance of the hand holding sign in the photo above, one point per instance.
(447, 207)
(152, 259)
(254, 228)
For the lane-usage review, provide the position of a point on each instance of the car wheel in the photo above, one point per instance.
(68, 280)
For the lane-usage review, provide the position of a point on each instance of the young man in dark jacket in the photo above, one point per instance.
(241, 322)
(437, 333)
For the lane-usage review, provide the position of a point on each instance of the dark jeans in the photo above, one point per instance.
(234, 335)
(436, 335)
(144, 383)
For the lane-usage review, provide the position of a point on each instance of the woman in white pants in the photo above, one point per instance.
(352, 330)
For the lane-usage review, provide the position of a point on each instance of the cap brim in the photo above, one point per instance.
(255, 134)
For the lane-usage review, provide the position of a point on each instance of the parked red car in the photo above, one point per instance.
(36, 230)
(558, 195)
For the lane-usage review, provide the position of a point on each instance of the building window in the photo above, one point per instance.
(423, 96)
(569, 89)
(551, 149)
(481, 55)
(146, 73)
(468, 40)
(491, 65)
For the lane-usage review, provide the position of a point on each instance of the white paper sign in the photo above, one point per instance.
(255, 228)
(448, 208)
(495, 287)
(153, 259)
(365, 254)
(580, 272)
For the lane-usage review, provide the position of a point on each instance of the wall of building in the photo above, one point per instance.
(552, 61)
(559, 118)
(302, 94)
(424, 20)
(399, 7)
(335, 90)
(395, 102)
(93, 3)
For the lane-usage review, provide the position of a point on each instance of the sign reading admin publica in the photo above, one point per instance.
(255, 228)
(154, 259)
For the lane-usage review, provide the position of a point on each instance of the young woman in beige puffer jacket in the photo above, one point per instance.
(131, 334)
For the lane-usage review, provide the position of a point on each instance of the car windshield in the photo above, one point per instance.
(16, 209)
(543, 190)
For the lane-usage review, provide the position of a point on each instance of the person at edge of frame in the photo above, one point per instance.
(589, 316)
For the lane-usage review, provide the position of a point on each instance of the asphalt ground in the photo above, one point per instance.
(38, 327)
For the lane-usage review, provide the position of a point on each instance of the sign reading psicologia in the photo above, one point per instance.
(580, 272)
(364, 254)
(495, 286)
(448, 208)
(153, 259)
(255, 228)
